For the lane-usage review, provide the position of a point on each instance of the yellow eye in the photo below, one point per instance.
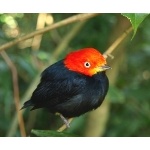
(87, 65)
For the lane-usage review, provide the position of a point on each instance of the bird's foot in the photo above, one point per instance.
(65, 121)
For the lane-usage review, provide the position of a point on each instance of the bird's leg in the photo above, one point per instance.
(65, 121)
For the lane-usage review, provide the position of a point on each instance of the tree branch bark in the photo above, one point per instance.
(75, 18)
(109, 51)
(16, 91)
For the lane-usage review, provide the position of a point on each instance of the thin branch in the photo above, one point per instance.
(116, 43)
(41, 20)
(16, 91)
(63, 127)
(69, 20)
(36, 42)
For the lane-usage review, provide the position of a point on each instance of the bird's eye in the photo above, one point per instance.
(87, 64)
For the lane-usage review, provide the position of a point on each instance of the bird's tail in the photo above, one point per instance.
(27, 104)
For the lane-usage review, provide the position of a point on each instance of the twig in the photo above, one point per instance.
(16, 91)
(60, 49)
(26, 96)
(36, 42)
(69, 20)
(116, 43)
(63, 127)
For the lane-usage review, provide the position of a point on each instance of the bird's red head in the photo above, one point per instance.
(87, 61)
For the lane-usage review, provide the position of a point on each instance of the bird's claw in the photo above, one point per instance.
(65, 121)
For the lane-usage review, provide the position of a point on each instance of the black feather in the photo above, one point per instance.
(67, 92)
(27, 104)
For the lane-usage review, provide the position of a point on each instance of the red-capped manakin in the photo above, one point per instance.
(72, 86)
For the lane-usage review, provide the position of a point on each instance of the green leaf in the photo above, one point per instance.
(135, 19)
(50, 133)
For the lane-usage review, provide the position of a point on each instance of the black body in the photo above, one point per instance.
(68, 93)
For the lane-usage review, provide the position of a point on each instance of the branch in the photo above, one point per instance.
(69, 20)
(63, 127)
(16, 91)
(116, 43)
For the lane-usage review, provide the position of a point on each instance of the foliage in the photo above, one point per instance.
(129, 97)
(49, 133)
(135, 19)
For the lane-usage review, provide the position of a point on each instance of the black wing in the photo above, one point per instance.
(69, 93)
(57, 85)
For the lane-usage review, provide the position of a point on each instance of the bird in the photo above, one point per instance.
(72, 86)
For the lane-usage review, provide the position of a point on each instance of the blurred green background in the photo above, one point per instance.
(126, 109)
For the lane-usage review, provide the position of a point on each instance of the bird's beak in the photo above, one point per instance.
(105, 67)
